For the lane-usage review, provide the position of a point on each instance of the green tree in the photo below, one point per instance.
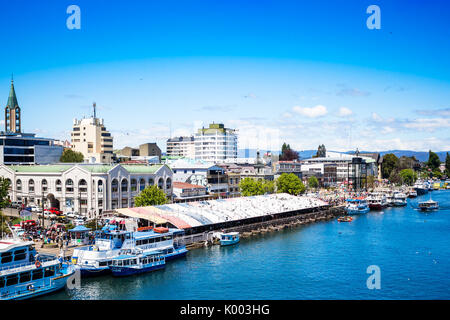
(394, 177)
(290, 183)
(150, 196)
(433, 161)
(390, 163)
(313, 182)
(268, 186)
(437, 174)
(408, 176)
(447, 165)
(71, 156)
(371, 181)
(287, 154)
(4, 202)
(321, 151)
(251, 187)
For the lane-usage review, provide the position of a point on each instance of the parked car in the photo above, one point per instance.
(55, 211)
(36, 209)
(16, 204)
(71, 214)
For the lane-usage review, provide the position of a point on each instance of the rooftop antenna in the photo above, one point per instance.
(95, 113)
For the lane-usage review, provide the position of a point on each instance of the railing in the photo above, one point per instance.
(26, 264)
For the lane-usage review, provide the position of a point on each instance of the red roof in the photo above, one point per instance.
(184, 185)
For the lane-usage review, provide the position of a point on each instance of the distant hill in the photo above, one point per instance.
(305, 154)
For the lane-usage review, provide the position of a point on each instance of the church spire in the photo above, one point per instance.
(12, 111)
(12, 99)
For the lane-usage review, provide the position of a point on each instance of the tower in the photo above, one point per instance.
(12, 112)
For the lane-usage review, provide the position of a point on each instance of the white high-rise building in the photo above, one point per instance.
(181, 147)
(216, 143)
(90, 137)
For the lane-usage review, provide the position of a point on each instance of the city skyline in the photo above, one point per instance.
(291, 78)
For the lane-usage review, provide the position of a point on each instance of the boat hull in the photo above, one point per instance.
(57, 284)
(377, 206)
(360, 211)
(176, 254)
(91, 272)
(228, 242)
(125, 271)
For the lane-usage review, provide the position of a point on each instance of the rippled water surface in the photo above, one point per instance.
(326, 260)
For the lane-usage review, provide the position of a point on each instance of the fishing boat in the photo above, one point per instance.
(135, 261)
(96, 259)
(345, 219)
(24, 274)
(230, 238)
(400, 199)
(357, 206)
(376, 201)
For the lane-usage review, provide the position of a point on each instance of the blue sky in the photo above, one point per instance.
(304, 72)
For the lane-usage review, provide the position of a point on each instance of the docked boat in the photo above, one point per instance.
(421, 188)
(400, 199)
(357, 206)
(376, 201)
(345, 219)
(24, 274)
(390, 199)
(135, 261)
(96, 259)
(412, 193)
(230, 238)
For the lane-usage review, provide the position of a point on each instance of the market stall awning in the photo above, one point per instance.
(79, 229)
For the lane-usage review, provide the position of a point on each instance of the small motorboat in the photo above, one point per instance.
(345, 219)
(230, 238)
(429, 205)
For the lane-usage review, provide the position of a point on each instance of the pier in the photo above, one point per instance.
(199, 240)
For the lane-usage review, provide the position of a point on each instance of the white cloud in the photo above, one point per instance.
(345, 112)
(314, 112)
(428, 124)
(376, 117)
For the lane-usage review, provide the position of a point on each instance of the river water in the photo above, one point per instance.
(325, 260)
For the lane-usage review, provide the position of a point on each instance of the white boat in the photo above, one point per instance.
(400, 199)
(357, 206)
(24, 274)
(377, 201)
(96, 259)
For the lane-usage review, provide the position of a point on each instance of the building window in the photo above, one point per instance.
(168, 183)
(44, 186)
(58, 185)
(114, 185)
(124, 185)
(151, 182)
(82, 186)
(133, 185)
(19, 185)
(31, 186)
(69, 185)
(100, 186)
(141, 184)
(160, 183)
